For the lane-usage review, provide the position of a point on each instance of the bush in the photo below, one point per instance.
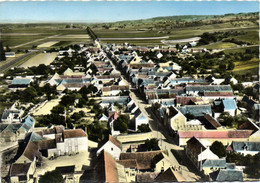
(218, 148)
(52, 177)
(121, 123)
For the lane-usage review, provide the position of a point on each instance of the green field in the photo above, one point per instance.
(220, 45)
(15, 35)
(252, 64)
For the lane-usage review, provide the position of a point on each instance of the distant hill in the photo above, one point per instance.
(191, 18)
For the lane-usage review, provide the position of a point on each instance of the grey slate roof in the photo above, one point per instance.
(196, 110)
(203, 88)
(229, 104)
(227, 175)
(21, 81)
(250, 146)
(216, 163)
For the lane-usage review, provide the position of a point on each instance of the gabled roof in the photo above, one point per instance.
(74, 133)
(129, 163)
(203, 88)
(249, 125)
(18, 169)
(172, 111)
(196, 110)
(21, 81)
(216, 134)
(215, 163)
(170, 175)
(229, 104)
(227, 175)
(115, 141)
(46, 144)
(185, 100)
(144, 159)
(212, 121)
(31, 151)
(35, 137)
(249, 146)
(195, 146)
(105, 169)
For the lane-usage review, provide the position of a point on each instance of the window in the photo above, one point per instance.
(111, 148)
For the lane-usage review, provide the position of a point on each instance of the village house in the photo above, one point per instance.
(11, 115)
(245, 147)
(225, 105)
(139, 119)
(227, 175)
(106, 169)
(22, 172)
(112, 146)
(138, 162)
(197, 152)
(20, 83)
(209, 136)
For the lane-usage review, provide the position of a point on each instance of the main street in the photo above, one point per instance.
(166, 141)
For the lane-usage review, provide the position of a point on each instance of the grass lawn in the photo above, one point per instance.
(245, 66)
(240, 49)
(42, 58)
(220, 45)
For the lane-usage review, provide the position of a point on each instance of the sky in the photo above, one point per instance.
(107, 11)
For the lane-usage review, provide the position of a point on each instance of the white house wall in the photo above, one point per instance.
(110, 148)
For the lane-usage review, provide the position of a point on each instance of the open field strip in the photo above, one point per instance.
(252, 64)
(74, 36)
(9, 59)
(18, 61)
(46, 107)
(220, 45)
(17, 46)
(181, 40)
(135, 38)
(20, 34)
(42, 58)
(47, 44)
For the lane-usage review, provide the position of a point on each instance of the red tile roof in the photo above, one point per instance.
(144, 159)
(212, 121)
(216, 134)
(185, 100)
(115, 141)
(129, 163)
(74, 133)
(218, 94)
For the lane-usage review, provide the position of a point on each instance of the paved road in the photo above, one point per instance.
(166, 142)
(12, 62)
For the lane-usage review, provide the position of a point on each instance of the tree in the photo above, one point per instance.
(2, 52)
(222, 67)
(226, 119)
(231, 66)
(143, 128)
(151, 144)
(189, 116)
(52, 177)
(121, 123)
(218, 148)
